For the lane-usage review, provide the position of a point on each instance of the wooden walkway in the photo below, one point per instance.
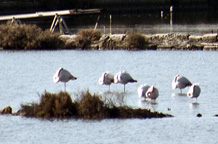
(58, 19)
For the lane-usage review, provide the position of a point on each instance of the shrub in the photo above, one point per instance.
(86, 36)
(135, 40)
(28, 37)
(51, 105)
(91, 106)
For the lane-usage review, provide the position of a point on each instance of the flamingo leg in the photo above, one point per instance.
(109, 88)
(65, 87)
(124, 87)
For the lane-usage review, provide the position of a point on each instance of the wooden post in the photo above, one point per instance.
(171, 16)
(62, 25)
(110, 25)
(96, 25)
(53, 23)
(15, 21)
(161, 15)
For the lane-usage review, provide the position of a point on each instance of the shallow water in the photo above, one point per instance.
(27, 74)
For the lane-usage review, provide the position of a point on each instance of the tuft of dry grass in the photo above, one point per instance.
(86, 36)
(135, 40)
(27, 37)
(90, 106)
(51, 106)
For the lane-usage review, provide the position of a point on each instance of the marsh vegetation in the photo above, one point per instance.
(88, 106)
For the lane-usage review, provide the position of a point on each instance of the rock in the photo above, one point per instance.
(209, 38)
(6, 110)
(194, 38)
(199, 115)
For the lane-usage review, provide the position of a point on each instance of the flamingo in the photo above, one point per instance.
(142, 89)
(123, 77)
(194, 91)
(106, 79)
(64, 76)
(180, 82)
(152, 93)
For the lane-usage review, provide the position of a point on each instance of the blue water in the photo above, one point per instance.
(24, 75)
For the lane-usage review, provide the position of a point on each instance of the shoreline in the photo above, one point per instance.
(165, 41)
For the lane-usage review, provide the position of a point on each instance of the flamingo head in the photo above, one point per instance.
(149, 91)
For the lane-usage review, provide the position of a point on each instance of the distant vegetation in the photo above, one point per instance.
(85, 37)
(60, 105)
(27, 37)
(135, 40)
(31, 37)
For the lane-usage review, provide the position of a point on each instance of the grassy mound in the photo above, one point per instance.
(88, 107)
(135, 41)
(87, 36)
(27, 37)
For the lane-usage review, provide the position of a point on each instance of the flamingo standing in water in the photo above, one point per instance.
(106, 79)
(123, 77)
(152, 93)
(194, 91)
(180, 82)
(142, 89)
(64, 76)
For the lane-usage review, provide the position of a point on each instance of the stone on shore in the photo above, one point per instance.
(209, 37)
(6, 110)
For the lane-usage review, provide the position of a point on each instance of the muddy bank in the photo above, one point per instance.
(168, 41)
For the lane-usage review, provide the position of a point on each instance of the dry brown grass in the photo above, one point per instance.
(135, 41)
(88, 107)
(86, 36)
(27, 37)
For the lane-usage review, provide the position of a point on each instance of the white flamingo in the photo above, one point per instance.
(106, 79)
(152, 93)
(180, 82)
(194, 91)
(123, 77)
(64, 76)
(142, 89)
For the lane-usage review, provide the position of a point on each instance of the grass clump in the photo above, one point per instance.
(27, 37)
(87, 36)
(51, 106)
(89, 106)
(135, 40)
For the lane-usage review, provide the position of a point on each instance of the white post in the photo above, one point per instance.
(171, 16)
(110, 25)
(161, 15)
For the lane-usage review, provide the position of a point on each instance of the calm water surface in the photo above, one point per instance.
(25, 75)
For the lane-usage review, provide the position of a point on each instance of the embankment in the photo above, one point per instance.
(168, 41)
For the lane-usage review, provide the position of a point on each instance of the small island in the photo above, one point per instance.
(61, 106)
